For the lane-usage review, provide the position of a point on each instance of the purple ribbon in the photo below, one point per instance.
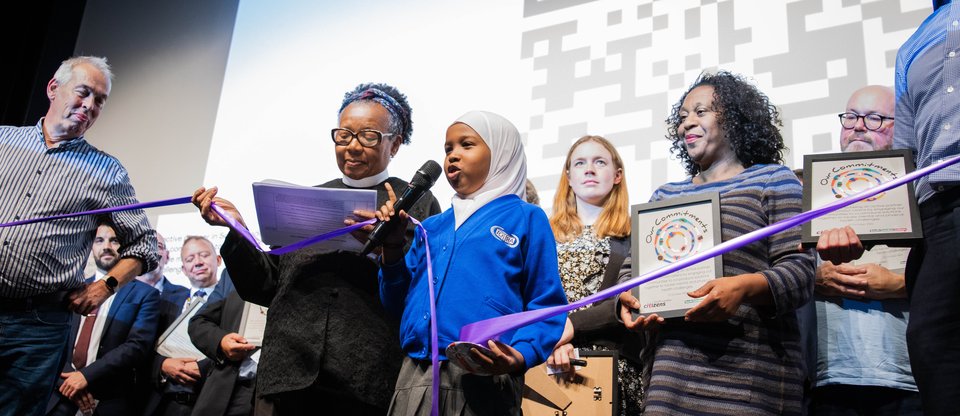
(479, 332)
(434, 350)
(140, 205)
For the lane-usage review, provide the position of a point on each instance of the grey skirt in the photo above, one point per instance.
(461, 393)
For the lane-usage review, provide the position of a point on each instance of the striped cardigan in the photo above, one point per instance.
(750, 364)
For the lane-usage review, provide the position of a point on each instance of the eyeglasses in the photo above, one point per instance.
(366, 137)
(870, 121)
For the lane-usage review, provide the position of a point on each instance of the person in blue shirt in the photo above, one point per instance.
(928, 115)
(493, 254)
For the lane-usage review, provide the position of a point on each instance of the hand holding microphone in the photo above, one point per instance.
(390, 230)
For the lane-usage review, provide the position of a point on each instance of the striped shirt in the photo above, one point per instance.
(927, 86)
(37, 182)
(750, 364)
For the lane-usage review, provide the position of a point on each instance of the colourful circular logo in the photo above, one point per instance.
(677, 239)
(855, 180)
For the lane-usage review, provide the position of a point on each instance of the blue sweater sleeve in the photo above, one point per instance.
(542, 289)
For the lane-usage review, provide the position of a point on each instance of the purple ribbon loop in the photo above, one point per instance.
(434, 348)
(479, 332)
(140, 205)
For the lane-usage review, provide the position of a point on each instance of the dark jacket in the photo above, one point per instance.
(220, 316)
(326, 327)
(171, 304)
(127, 340)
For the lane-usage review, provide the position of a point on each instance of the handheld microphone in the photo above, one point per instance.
(425, 177)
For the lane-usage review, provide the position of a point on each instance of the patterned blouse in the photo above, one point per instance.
(582, 263)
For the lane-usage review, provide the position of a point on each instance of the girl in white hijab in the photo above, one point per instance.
(508, 164)
(492, 254)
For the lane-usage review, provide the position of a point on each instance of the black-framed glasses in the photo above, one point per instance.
(870, 121)
(366, 137)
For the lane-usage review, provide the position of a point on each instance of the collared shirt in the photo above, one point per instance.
(36, 181)
(98, 325)
(195, 296)
(159, 285)
(369, 181)
(928, 97)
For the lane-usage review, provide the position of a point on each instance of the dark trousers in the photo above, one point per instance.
(175, 405)
(32, 344)
(844, 400)
(933, 283)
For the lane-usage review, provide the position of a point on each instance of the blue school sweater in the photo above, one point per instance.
(502, 260)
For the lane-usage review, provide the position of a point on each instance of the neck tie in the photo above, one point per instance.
(199, 294)
(83, 341)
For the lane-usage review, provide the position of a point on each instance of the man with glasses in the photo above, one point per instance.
(927, 85)
(862, 361)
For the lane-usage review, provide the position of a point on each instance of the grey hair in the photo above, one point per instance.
(190, 238)
(65, 72)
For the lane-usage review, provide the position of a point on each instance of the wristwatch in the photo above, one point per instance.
(111, 282)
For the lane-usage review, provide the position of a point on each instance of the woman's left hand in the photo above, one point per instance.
(505, 359)
(723, 296)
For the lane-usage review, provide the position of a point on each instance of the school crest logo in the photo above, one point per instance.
(509, 239)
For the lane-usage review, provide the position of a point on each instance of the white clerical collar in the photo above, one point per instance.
(368, 182)
(588, 213)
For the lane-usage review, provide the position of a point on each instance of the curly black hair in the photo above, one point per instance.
(388, 96)
(747, 119)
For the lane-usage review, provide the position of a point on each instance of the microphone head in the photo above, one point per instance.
(426, 175)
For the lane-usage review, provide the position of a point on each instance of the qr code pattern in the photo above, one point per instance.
(614, 68)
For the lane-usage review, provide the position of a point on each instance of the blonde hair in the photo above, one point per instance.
(614, 220)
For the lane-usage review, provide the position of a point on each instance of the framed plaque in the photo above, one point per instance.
(669, 231)
(175, 341)
(253, 322)
(890, 218)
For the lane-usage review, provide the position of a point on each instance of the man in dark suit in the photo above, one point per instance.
(107, 346)
(178, 380)
(228, 389)
(172, 299)
(171, 295)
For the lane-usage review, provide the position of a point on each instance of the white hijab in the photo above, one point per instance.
(508, 163)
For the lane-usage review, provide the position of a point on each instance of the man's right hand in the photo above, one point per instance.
(235, 347)
(181, 370)
(839, 245)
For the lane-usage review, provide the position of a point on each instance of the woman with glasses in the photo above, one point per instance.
(329, 346)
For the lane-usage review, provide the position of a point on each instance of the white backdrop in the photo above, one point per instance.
(557, 68)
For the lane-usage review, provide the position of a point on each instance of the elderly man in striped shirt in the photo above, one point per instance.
(48, 169)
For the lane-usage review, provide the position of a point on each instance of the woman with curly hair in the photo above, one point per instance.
(738, 351)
